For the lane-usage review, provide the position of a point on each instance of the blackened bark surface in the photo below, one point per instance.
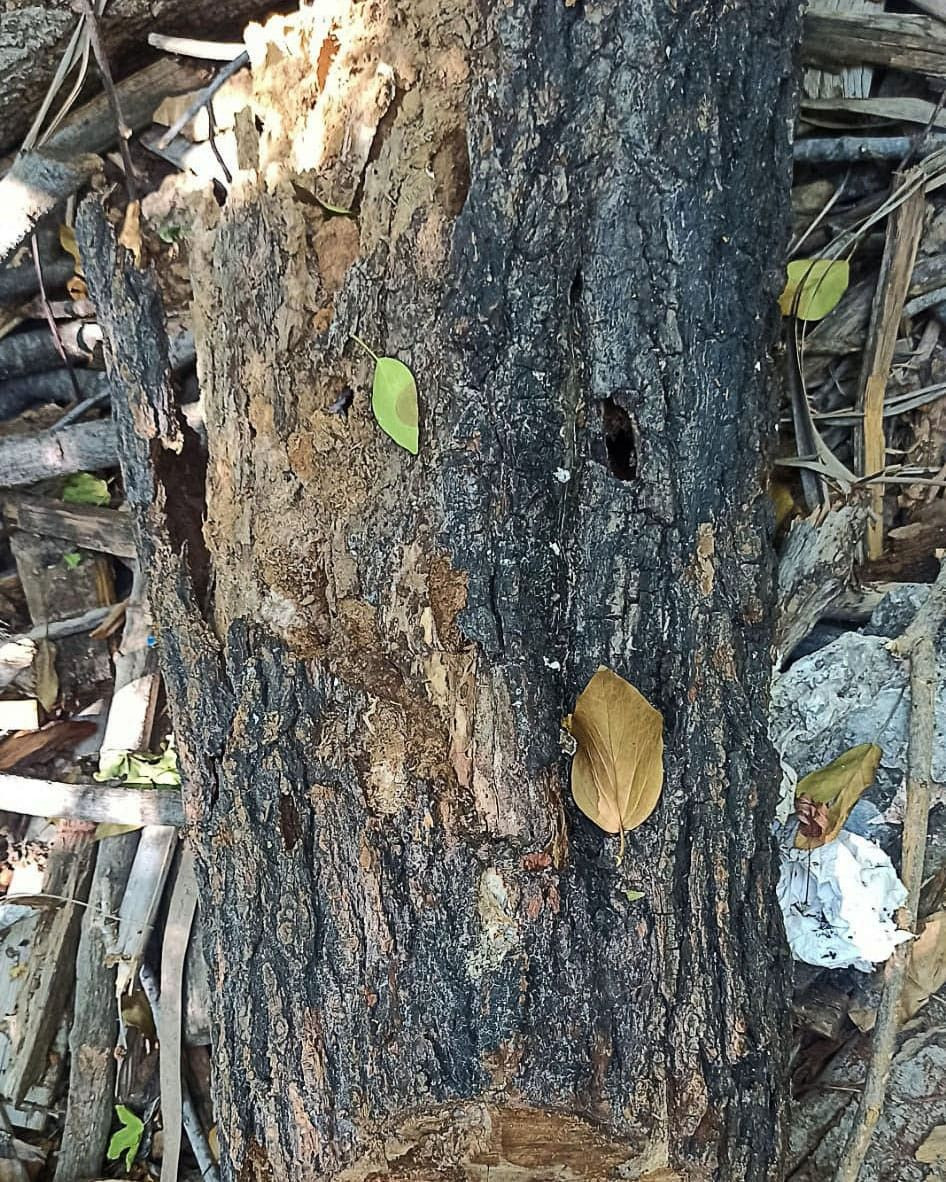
(428, 963)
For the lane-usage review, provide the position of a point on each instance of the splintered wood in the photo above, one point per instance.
(904, 227)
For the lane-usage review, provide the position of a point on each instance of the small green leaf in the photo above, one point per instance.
(814, 287)
(394, 402)
(72, 558)
(82, 488)
(127, 1139)
(139, 767)
(633, 896)
(394, 398)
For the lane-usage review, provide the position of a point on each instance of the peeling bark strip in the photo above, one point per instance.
(426, 960)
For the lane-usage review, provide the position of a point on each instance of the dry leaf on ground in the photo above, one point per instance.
(837, 786)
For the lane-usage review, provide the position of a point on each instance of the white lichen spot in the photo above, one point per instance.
(556, 549)
(562, 475)
(499, 931)
(551, 664)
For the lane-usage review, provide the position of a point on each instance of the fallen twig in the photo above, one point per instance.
(241, 60)
(904, 227)
(855, 149)
(190, 1119)
(211, 51)
(91, 802)
(51, 319)
(81, 447)
(36, 183)
(916, 645)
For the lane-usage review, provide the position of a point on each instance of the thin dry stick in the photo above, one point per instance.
(131, 186)
(212, 137)
(241, 60)
(51, 320)
(904, 228)
(211, 51)
(916, 645)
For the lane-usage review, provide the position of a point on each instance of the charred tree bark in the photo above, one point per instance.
(569, 224)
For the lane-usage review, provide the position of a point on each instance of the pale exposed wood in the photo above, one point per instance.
(41, 1003)
(181, 910)
(852, 81)
(36, 183)
(153, 857)
(92, 1040)
(93, 528)
(212, 51)
(90, 802)
(907, 42)
(18, 715)
(904, 227)
(85, 446)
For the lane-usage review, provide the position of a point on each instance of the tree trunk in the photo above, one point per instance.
(570, 225)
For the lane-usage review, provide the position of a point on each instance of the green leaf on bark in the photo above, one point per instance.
(394, 402)
(127, 1139)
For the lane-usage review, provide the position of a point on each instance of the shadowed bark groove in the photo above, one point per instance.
(427, 962)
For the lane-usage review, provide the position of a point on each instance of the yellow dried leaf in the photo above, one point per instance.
(67, 240)
(839, 787)
(130, 236)
(112, 829)
(46, 680)
(617, 772)
(77, 289)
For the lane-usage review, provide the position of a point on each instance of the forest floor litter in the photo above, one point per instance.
(98, 899)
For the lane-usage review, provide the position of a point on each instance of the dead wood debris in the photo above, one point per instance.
(92, 869)
(866, 429)
(862, 526)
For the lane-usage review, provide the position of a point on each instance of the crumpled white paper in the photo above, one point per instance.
(838, 903)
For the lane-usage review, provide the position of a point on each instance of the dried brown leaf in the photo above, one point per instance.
(617, 772)
(130, 236)
(837, 786)
(45, 677)
(926, 966)
(933, 1149)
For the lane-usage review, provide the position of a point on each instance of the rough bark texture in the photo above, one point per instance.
(570, 223)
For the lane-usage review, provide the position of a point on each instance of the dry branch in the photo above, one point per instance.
(88, 526)
(36, 184)
(885, 39)
(904, 227)
(91, 802)
(82, 447)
